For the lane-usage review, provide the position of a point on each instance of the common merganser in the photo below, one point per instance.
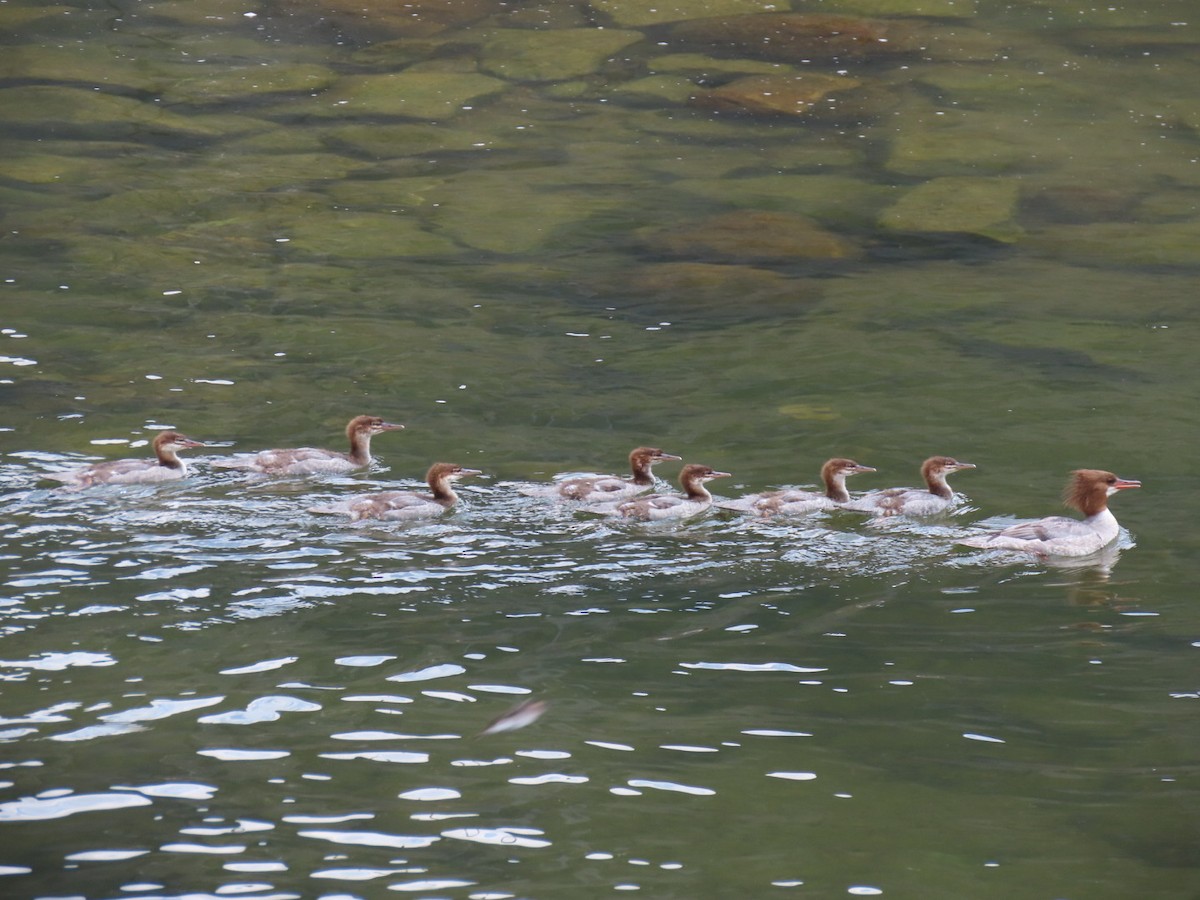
(405, 504)
(311, 460)
(792, 502)
(936, 498)
(166, 466)
(1087, 491)
(606, 488)
(695, 498)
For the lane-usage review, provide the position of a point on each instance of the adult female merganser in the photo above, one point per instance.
(695, 498)
(793, 502)
(936, 498)
(606, 488)
(1087, 491)
(313, 461)
(405, 504)
(166, 466)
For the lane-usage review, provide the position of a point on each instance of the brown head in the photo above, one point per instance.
(943, 465)
(1089, 489)
(369, 425)
(441, 477)
(172, 442)
(834, 474)
(843, 468)
(693, 475)
(441, 473)
(650, 455)
(935, 469)
(640, 461)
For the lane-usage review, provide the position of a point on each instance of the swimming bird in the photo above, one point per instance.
(1087, 491)
(694, 500)
(937, 497)
(166, 466)
(791, 502)
(311, 460)
(400, 505)
(606, 488)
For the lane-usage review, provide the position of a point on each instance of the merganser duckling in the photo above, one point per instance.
(405, 504)
(314, 461)
(695, 498)
(1087, 491)
(936, 498)
(606, 488)
(791, 502)
(166, 466)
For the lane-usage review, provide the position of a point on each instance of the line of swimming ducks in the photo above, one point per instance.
(1087, 491)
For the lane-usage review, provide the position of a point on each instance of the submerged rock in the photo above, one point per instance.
(942, 142)
(716, 294)
(414, 138)
(495, 212)
(750, 236)
(703, 66)
(411, 18)
(365, 235)
(417, 95)
(526, 55)
(89, 114)
(836, 199)
(218, 83)
(1122, 244)
(934, 9)
(984, 207)
(782, 95)
(1080, 204)
(634, 13)
(657, 89)
(797, 37)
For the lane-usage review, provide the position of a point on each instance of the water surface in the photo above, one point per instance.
(208, 691)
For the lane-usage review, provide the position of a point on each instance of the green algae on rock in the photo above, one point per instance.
(984, 207)
(656, 89)
(522, 55)
(942, 142)
(783, 95)
(415, 95)
(90, 114)
(833, 199)
(704, 66)
(412, 18)
(1123, 244)
(797, 37)
(383, 193)
(635, 13)
(384, 142)
(212, 83)
(353, 235)
(718, 293)
(750, 236)
(934, 9)
(488, 212)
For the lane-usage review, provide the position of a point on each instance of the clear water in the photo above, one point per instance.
(207, 691)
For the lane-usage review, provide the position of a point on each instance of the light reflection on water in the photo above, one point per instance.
(238, 679)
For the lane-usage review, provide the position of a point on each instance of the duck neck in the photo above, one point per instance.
(168, 459)
(1093, 504)
(835, 488)
(695, 490)
(936, 482)
(360, 448)
(642, 474)
(442, 490)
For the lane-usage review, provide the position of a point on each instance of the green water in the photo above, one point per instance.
(509, 228)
